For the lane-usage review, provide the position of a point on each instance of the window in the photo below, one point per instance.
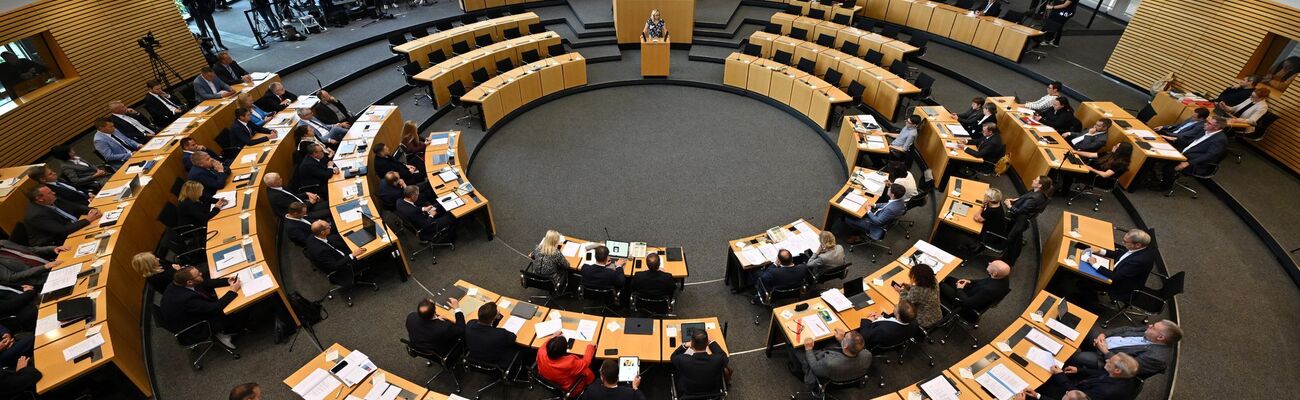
(1277, 60)
(27, 65)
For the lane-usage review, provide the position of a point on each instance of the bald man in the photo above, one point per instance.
(281, 198)
(980, 294)
(130, 123)
(331, 255)
(1118, 382)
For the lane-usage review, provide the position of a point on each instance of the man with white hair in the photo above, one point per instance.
(1117, 382)
(277, 97)
(980, 294)
(281, 198)
(132, 124)
(1132, 264)
(326, 133)
(1151, 345)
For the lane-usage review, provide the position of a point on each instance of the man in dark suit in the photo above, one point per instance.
(48, 224)
(1133, 262)
(229, 71)
(242, 130)
(1151, 346)
(282, 198)
(652, 282)
(701, 365)
(209, 173)
(297, 225)
(161, 106)
(978, 295)
(330, 110)
(315, 170)
(385, 163)
(1201, 152)
(327, 254)
(785, 274)
(275, 99)
(190, 300)
(1191, 128)
(604, 273)
(992, 8)
(879, 331)
(130, 123)
(26, 265)
(391, 189)
(430, 333)
(70, 199)
(189, 146)
(429, 219)
(988, 147)
(21, 378)
(488, 344)
(1118, 382)
(1091, 141)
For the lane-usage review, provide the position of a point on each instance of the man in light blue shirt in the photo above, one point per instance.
(115, 147)
(900, 148)
(1151, 346)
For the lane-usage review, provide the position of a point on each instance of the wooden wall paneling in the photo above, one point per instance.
(630, 17)
(98, 38)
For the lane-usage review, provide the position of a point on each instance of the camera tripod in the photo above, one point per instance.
(160, 67)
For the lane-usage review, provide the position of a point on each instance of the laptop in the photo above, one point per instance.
(524, 310)
(365, 235)
(453, 292)
(131, 188)
(640, 326)
(617, 249)
(855, 291)
(688, 329)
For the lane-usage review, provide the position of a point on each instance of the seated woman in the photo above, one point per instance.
(548, 260)
(192, 208)
(922, 292)
(994, 220)
(412, 143)
(1086, 144)
(828, 254)
(563, 369)
(156, 271)
(1060, 116)
(259, 116)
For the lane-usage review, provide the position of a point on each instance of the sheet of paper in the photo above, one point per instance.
(447, 176)
(513, 324)
(548, 327)
(570, 249)
(47, 324)
(317, 386)
(856, 198)
(1062, 329)
(376, 390)
(254, 280)
(613, 326)
(231, 258)
(769, 251)
(836, 299)
(935, 251)
(61, 278)
(813, 325)
(848, 204)
(391, 393)
(994, 386)
(939, 389)
(359, 366)
(1043, 359)
(228, 196)
(351, 215)
(1008, 380)
(587, 329)
(87, 248)
(957, 130)
(82, 347)
(752, 256)
(439, 141)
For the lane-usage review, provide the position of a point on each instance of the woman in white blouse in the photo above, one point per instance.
(1250, 110)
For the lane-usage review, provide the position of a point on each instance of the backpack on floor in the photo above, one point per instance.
(309, 312)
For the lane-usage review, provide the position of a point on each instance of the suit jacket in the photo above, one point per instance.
(389, 194)
(979, 120)
(70, 195)
(242, 134)
(1208, 151)
(489, 344)
(1152, 358)
(885, 332)
(81, 176)
(778, 277)
(993, 10)
(230, 73)
(385, 164)
(413, 215)
(131, 131)
(182, 307)
(314, 172)
(14, 271)
(657, 284)
(186, 161)
(196, 213)
(280, 200)
(880, 217)
(159, 110)
(115, 154)
(211, 180)
(1234, 95)
(971, 116)
(1031, 203)
(299, 231)
(45, 227)
(980, 294)
(1130, 274)
(990, 149)
(1187, 130)
(271, 103)
(1061, 121)
(328, 257)
(1091, 143)
(434, 335)
(17, 381)
(599, 276)
(1097, 387)
(700, 372)
(327, 114)
(204, 91)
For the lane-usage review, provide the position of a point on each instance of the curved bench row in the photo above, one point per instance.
(476, 66)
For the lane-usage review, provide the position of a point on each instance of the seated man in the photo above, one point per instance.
(391, 189)
(652, 282)
(980, 294)
(330, 110)
(988, 147)
(844, 360)
(1043, 103)
(14, 345)
(70, 198)
(881, 216)
(429, 219)
(281, 198)
(430, 333)
(49, 225)
(21, 378)
(1151, 346)
(315, 171)
(385, 163)
(488, 344)
(115, 147)
(1089, 143)
(325, 133)
(880, 331)
(160, 105)
(208, 172)
(1192, 128)
(784, 275)
(276, 99)
(563, 369)
(608, 387)
(243, 130)
(297, 225)
(605, 273)
(1118, 382)
(229, 71)
(328, 254)
(1201, 151)
(1132, 265)
(189, 146)
(701, 365)
(130, 122)
(191, 299)
(26, 265)
(208, 87)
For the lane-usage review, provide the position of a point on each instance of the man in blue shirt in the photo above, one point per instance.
(115, 147)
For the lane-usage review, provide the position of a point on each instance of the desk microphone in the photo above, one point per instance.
(319, 86)
(607, 234)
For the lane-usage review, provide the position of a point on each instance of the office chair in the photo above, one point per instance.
(228, 150)
(491, 370)
(826, 41)
(436, 57)
(555, 50)
(396, 39)
(496, 13)
(529, 57)
(1179, 180)
(479, 76)
(818, 276)
(428, 237)
(925, 82)
(601, 297)
(444, 361)
(720, 393)
(782, 57)
(915, 202)
(842, 19)
(771, 298)
(468, 19)
(419, 32)
(408, 72)
(516, 9)
(1147, 302)
(199, 337)
(504, 65)
(874, 57)
(833, 77)
(753, 50)
(457, 90)
(868, 241)
(652, 306)
(961, 316)
(793, 9)
(855, 92)
(899, 68)
(824, 385)
(1261, 130)
(1098, 188)
(557, 392)
(1147, 112)
(850, 48)
(511, 33)
(443, 26)
(807, 65)
(890, 31)
(341, 281)
(534, 29)
(484, 40)
(919, 41)
(554, 288)
(815, 13)
(459, 47)
(772, 27)
(798, 33)
(865, 24)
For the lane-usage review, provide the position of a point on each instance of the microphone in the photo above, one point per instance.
(607, 234)
(319, 86)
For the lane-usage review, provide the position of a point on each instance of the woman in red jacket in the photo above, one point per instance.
(558, 366)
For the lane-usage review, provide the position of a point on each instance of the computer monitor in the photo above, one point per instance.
(616, 248)
(366, 234)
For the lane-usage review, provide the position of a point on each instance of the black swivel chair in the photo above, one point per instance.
(457, 90)
(467, 19)
(850, 48)
(1146, 302)
(460, 47)
(824, 385)
(599, 298)
(899, 67)
(782, 57)
(855, 92)
(772, 27)
(963, 317)
(653, 306)
(428, 238)
(396, 39)
(529, 56)
(436, 57)
(753, 50)
(1097, 188)
(534, 29)
(826, 40)
(964, 4)
(833, 77)
(493, 371)
(511, 33)
(807, 65)
(815, 13)
(798, 33)
(444, 361)
(483, 40)
(874, 57)
(890, 31)
(419, 32)
(496, 13)
(199, 337)
(504, 65)
(793, 9)
(555, 50)
(821, 275)
(409, 71)
(771, 298)
(865, 24)
(557, 392)
(554, 288)
(444, 26)
(719, 394)
(479, 76)
(842, 19)
(1179, 180)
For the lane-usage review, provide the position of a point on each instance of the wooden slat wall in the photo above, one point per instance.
(1208, 44)
(99, 39)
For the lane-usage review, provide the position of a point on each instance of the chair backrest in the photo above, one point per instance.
(850, 48)
(411, 69)
(793, 9)
(925, 82)
(917, 201)
(782, 57)
(555, 50)
(966, 4)
(511, 33)
(535, 29)
(856, 89)
(1172, 286)
(865, 24)
(419, 32)
(653, 304)
(597, 293)
(497, 13)
(444, 26)
(753, 50)
(437, 56)
(842, 19)
(773, 28)
(890, 31)
(786, 293)
(530, 279)
(833, 77)
(1014, 16)
(1261, 126)
(19, 235)
(816, 13)
(799, 33)
(529, 56)
(899, 67)
(826, 40)
(460, 47)
(466, 19)
(874, 57)
(918, 41)
(807, 65)
(479, 75)
(483, 40)
(553, 387)
(456, 89)
(830, 273)
(396, 39)
(504, 65)
(167, 215)
(223, 139)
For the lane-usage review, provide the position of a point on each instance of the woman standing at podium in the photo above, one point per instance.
(655, 28)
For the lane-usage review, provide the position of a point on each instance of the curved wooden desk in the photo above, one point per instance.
(754, 251)
(941, 140)
(446, 170)
(461, 67)
(892, 49)
(353, 199)
(1034, 149)
(993, 35)
(506, 92)
(863, 189)
(882, 90)
(417, 50)
(14, 186)
(574, 249)
(860, 134)
(1146, 143)
(807, 94)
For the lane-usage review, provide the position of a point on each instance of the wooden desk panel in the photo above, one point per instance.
(963, 28)
(987, 34)
(1019, 328)
(971, 194)
(899, 11)
(1041, 301)
(942, 19)
(787, 326)
(672, 328)
(616, 339)
(984, 355)
(736, 72)
(919, 16)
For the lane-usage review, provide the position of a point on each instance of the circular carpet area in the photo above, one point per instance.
(667, 165)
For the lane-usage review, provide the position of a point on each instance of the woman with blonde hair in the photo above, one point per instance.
(246, 101)
(547, 258)
(156, 271)
(411, 140)
(194, 210)
(828, 254)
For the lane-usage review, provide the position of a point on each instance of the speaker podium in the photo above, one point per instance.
(654, 57)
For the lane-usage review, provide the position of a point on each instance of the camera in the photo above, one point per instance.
(148, 42)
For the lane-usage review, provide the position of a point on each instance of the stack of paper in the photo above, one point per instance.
(61, 278)
(813, 325)
(83, 347)
(956, 130)
(358, 367)
(876, 142)
(1060, 328)
(852, 201)
(254, 280)
(939, 389)
(1043, 359)
(156, 143)
(86, 249)
(544, 329)
(317, 386)
(751, 256)
(230, 258)
(836, 299)
(450, 201)
(228, 196)
(513, 324)
(1001, 382)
